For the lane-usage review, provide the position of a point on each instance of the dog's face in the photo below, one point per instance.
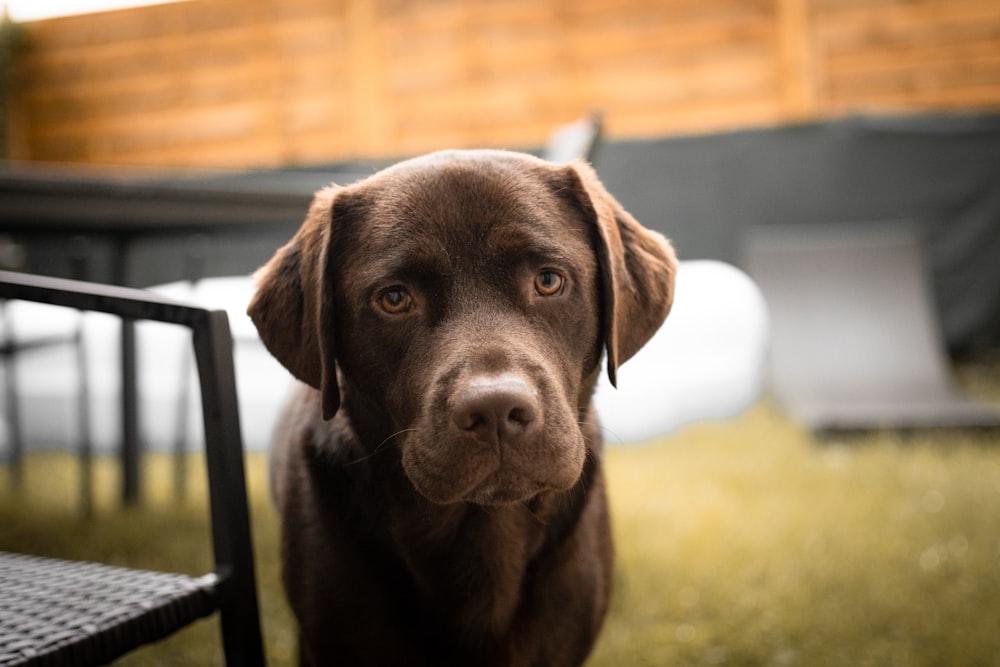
(466, 298)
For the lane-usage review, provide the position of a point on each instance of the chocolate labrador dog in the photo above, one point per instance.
(438, 474)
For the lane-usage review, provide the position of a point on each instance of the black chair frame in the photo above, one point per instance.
(159, 608)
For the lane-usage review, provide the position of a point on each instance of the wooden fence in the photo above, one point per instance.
(276, 82)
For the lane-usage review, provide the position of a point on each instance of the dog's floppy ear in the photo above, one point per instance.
(637, 266)
(292, 307)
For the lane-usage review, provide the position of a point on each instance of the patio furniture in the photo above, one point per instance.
(855, 344)
(574, 141)
(57, 612)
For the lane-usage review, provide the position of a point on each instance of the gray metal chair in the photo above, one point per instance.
(855, 342)
(57, 612)
(574, 141)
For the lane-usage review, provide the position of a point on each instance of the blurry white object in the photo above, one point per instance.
(47, 375)
(706, 362)
(48, 382)
(261, 382)
(33, 10)
(574, 141)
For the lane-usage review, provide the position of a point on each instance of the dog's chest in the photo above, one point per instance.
(472, 564)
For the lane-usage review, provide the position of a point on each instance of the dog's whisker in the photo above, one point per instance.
(611, 436)
(380, 447)
(393, 436)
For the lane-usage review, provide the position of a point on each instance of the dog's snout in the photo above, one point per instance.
(499, 409)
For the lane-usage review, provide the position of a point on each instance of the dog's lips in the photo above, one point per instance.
(489, 494)
(496, 486)
(506, 487)
(485, 479)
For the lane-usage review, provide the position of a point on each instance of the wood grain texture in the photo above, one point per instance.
(250, 83)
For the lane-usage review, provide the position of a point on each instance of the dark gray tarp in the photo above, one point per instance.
(942, 172)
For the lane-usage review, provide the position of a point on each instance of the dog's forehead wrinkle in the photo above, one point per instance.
(464, 212)
(488, 254)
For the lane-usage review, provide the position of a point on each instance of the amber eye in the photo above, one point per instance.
(395, 300)
(548, 283)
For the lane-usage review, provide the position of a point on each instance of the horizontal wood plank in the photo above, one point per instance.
(264, 82)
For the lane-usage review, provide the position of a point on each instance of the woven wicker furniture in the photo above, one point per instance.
(55, 612)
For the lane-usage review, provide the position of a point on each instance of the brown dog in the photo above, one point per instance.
(439, 478)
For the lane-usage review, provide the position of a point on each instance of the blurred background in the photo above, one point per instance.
(829, 169)
(217, 119)
(211, 83)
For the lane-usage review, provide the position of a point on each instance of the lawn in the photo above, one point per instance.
(739, 543)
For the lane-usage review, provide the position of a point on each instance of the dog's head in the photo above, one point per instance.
(459, 304)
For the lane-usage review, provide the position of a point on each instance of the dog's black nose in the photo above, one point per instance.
(496, 409)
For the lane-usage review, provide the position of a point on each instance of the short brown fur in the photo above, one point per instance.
(438, 474)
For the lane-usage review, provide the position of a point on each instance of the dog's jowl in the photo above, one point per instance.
(438, 472)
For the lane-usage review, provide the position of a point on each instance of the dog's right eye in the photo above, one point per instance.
(548, 283)
(395, 300)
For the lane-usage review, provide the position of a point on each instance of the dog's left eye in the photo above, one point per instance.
(549, 283)
(395, 300)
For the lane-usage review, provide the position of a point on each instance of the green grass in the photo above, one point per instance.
(739, 543)
(748, 544)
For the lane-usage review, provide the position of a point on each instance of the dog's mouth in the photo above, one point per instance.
(494, 493)
(494, 439)
(450, 471)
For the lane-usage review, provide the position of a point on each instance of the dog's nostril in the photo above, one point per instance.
(493, 412)
(521, 416)
(495, 408)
